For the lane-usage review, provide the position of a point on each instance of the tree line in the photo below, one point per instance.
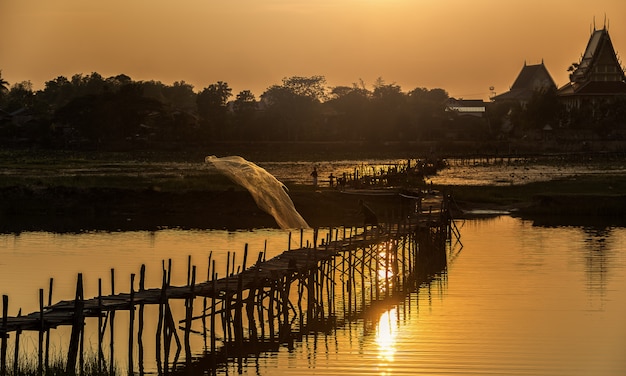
(94, 112)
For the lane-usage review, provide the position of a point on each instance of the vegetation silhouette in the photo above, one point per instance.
(90, 112)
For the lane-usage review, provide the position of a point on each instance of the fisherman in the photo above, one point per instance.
(314, 175)
(369, 217)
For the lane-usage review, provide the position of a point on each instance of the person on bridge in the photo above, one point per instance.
(314, 176)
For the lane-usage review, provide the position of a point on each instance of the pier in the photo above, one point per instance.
(251, 305)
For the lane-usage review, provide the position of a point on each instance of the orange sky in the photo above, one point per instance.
(461, 46)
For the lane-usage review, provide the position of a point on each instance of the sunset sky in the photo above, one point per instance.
(461, 46)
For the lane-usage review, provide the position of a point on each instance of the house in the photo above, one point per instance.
(467, 107)
(531, 79)
(599, 75)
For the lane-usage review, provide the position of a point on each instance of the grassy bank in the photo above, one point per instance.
(72, 191)
(590, 196)
(57, 366)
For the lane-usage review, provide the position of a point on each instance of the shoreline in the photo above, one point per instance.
(75, 210)
(85, 192)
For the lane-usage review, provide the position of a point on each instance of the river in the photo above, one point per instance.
(515, 299)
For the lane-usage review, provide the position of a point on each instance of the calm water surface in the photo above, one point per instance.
(516, 299)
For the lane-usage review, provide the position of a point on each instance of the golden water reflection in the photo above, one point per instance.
(386, 335)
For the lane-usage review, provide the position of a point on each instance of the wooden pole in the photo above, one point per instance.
(47, 359)
(131, 324)
(142, 279)
(213, 308)
(41, 330)
(16, 353)
(77, 327)
(363, 278)
(5, 335)
(238, 319)
(245, 255)
(100, 328)
(188, 315)
(204, 302)
(112, 326)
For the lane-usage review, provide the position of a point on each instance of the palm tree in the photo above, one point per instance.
(4, 85)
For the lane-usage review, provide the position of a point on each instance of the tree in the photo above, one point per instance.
(387, 117)
(4, 86)
(181, 96)
(212, 106)
(313, 87)
(427, 109)
(350, 105)
(20, 96)
(244, 110)
(57, 93)
(542, 109)
(293, 108)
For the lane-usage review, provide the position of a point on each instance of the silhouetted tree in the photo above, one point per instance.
(110, 119)
(4, 86)
(350, 106)
(544, 108)
(292, 110)
(386, 117)
(20, 96)
(427, 109)
(212, 107)
(57, 93)
(245, 108)
(180, 96)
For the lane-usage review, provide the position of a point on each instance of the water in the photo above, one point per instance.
(517, 299)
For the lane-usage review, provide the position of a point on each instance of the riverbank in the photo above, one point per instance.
(66, 192)
(80, 209)
(67, 209)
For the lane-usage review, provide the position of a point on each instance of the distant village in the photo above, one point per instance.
(95, 113)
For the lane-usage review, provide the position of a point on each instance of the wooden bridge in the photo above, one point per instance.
(269, 303)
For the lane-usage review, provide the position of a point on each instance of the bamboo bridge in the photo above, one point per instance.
(253, 307)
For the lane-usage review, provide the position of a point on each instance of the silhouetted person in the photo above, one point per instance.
(314, 175)
(369, 217)
(331, 179)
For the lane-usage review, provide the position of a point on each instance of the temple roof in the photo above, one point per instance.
(599, 70)
(532, 78)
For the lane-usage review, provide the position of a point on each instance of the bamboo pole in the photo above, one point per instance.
(41, 330)
(16, 353)
(131, 323)
(160, 330)
(5, 335)
(47, 356)
(142, 280)
(100, 327)
(77, 327)
(213, 309)
(188, 315)
(112, 327)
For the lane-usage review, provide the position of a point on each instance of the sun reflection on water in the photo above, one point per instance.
(386, 336)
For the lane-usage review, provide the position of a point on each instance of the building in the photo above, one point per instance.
(599, 76)
(531, 79)
(467, 107)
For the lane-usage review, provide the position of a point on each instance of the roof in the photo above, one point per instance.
(594, 88)
(599, 61)
(531, 78)
(453, 102)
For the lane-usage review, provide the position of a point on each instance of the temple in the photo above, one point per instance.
(531, 79)
(598, 76)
